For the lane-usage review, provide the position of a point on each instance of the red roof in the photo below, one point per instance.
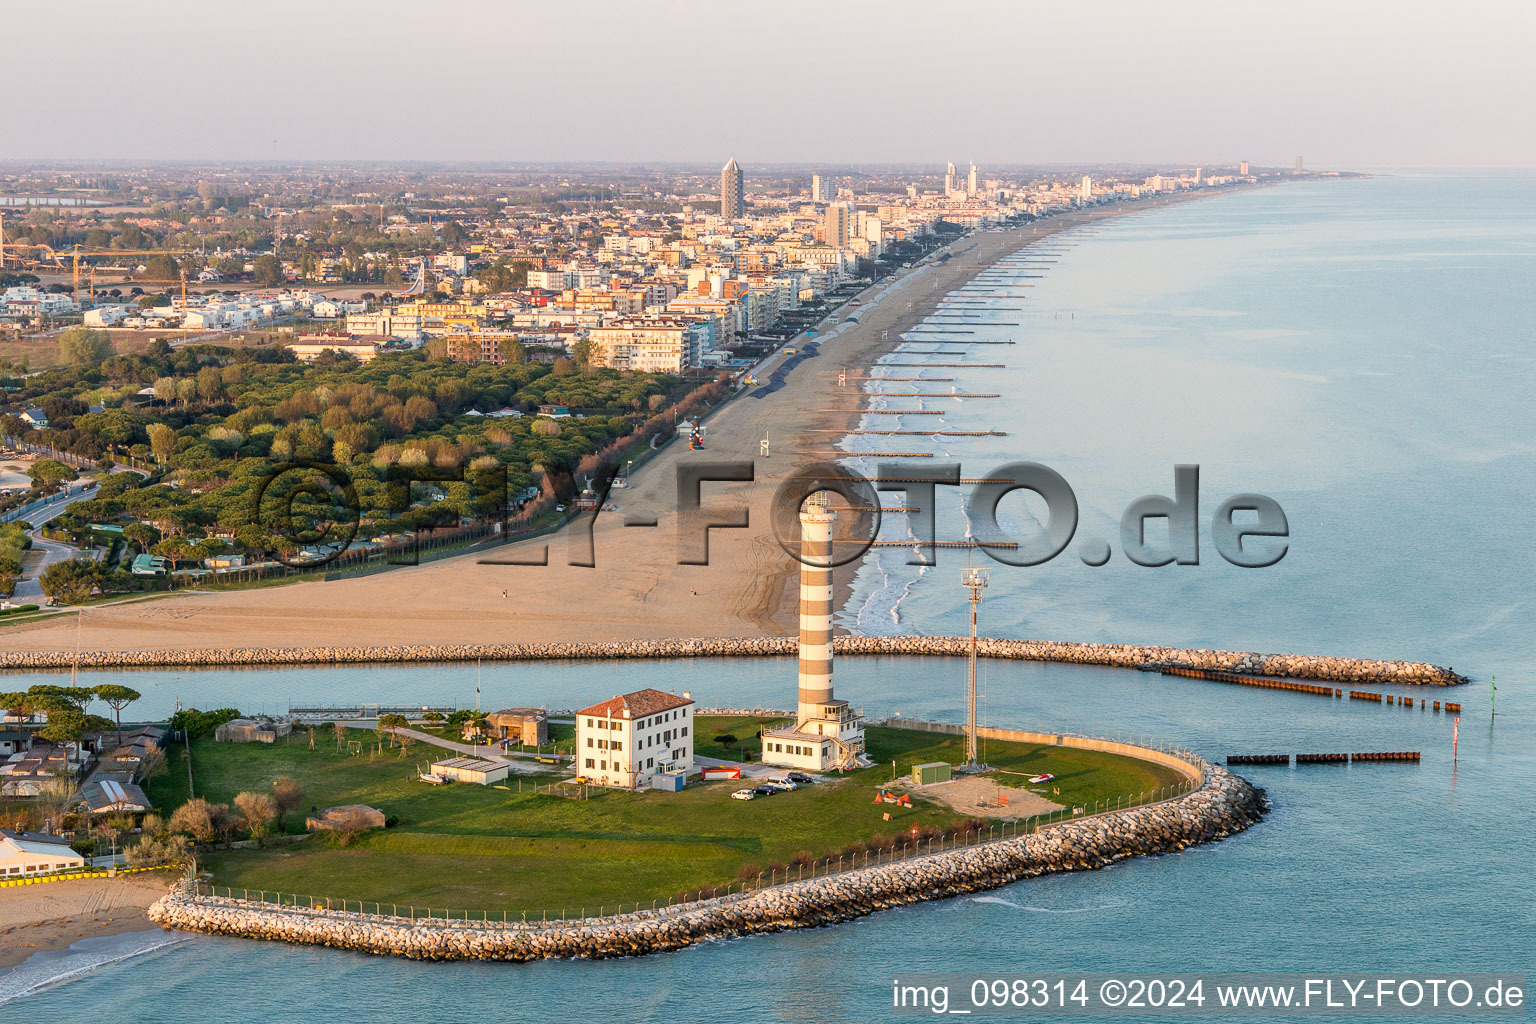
(640, 704)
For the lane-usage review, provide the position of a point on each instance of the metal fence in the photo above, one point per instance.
(880, 856)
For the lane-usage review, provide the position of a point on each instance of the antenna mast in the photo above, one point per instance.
(975, 581)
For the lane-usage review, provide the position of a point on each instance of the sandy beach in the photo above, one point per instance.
(55, 915)
(637, 589)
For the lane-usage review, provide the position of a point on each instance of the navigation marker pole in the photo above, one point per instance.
(1455, 738)
(974, 580)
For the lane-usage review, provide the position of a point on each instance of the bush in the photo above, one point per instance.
(18, 610)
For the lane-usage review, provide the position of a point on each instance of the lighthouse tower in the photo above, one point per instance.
(816, 520)
(827, 733)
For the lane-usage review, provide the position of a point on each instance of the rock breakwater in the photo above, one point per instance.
(1292, 666)
(1223, 805)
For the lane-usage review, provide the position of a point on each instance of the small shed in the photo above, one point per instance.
(933, 771)
(471, 769)
(669, 782)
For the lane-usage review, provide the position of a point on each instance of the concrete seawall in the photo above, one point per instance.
(1223, 805)
(1293, 666)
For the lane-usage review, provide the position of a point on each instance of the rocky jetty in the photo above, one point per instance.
(1291, 666)
(1223, 805)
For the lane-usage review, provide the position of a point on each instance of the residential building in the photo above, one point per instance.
(651, 344)
(835, 225)
(625, 740)
(731, 190)
(309, 347)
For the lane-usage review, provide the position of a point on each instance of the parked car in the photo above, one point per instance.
(764, 790)
(744, 794)
(800, 778)
(781, 782)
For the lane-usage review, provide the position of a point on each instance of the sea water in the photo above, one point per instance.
(1358, 350)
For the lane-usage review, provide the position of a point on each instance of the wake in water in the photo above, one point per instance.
(49, 970)
(1108, 905)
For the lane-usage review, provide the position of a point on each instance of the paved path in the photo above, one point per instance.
(482, 751)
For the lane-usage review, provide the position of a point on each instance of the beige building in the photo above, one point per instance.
(648, 344)
(528, 726)
(625, 740)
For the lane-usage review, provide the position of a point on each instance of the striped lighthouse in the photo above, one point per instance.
(816, 520)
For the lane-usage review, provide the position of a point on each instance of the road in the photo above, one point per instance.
(29, 591)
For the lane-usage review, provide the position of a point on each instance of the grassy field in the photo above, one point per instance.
(496, 849)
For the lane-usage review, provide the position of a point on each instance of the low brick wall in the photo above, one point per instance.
(1294, 666)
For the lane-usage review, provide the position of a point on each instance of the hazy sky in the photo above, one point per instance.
(1347, 83)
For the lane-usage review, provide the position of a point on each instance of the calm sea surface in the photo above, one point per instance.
(1360, 351)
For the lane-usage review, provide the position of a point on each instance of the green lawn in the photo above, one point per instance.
(487, 848)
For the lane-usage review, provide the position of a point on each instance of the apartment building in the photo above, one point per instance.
(650, 344)
(626, 740)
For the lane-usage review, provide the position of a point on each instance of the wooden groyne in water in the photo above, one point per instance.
(1293, 666)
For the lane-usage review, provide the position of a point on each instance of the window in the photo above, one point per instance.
(650, 762)
(617, 745)
(589, 762)
(603, 765)
(684, 731)
(589, 741)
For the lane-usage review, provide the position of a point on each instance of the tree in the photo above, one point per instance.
(117, 697)
(259, 811)
(267, 271)
(50, 471)
(340, 728)
(582, 352)
(198, 819)
(161, 268)
(72, 581)
(288, 794)
(393, 723)
(10, 573)
(726, 740)
(162, 439)
(83, 346)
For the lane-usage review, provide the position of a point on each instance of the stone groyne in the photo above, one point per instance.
(1223, 805)
(1292, 666)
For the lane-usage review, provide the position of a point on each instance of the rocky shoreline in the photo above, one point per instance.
(1290, 666)
(1223, 805)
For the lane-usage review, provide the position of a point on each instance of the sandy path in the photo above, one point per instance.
(636, 590)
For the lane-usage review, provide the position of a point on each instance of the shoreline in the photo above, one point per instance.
(1222, 804)
(530, 591)
(51, 917)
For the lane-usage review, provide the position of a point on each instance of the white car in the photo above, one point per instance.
(743, 794)
(781, 784)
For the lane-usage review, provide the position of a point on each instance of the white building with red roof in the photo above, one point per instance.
(627, 740)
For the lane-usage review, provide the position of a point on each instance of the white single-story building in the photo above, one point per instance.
(471, 769)
(33, 853)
